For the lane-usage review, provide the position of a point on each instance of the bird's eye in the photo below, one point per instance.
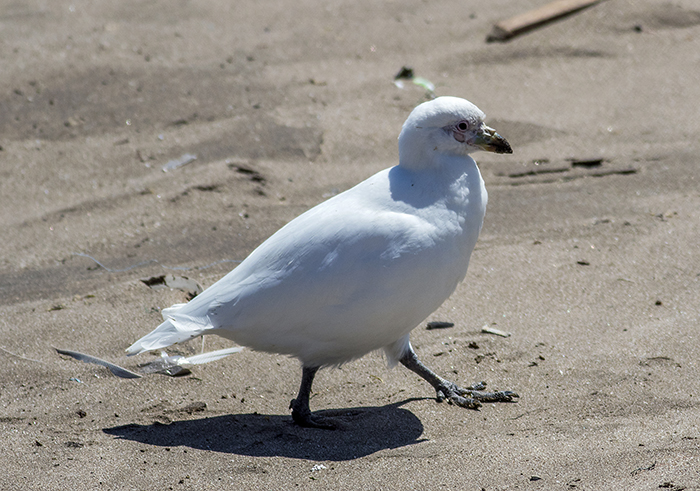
(462, 126)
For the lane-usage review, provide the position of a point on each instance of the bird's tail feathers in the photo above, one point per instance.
(175, 329)
(171, 311)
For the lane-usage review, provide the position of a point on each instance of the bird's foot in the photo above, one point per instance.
(472, 396)
(301, 414)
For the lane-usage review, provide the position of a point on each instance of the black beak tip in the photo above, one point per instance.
(503, 146)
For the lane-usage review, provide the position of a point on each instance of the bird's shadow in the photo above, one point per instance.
(359, 432)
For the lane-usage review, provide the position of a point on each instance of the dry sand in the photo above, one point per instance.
(595, 270)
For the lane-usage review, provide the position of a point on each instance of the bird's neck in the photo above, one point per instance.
(445, 168)
(453, 180)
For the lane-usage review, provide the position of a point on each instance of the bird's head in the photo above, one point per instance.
(446, 126)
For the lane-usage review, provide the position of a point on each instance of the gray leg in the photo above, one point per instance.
(301, 414)
(471, 397)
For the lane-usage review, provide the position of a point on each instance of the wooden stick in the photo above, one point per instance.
(509, 28)
(497, 332)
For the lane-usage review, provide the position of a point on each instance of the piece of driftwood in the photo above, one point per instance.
(493, 330)
(509, 28)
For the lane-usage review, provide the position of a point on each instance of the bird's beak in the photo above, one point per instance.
(487, 139)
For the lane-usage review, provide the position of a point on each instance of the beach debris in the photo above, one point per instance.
(191, 287)
(184, 121)
(406, 73)
(252, 174)
(179, 162)
(177, 365)
(439, 325)
(624, 171)
(592, 162)
(509, 28)
(493, 330)
(642, 469)
(563, 171)
(205, 187)
(671, 486)
(115, 369)
(318, 467)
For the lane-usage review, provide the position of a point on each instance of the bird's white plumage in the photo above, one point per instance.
(361, 270)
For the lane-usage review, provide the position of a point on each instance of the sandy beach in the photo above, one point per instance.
(588, 258)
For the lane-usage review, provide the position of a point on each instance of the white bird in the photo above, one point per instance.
(358, 272)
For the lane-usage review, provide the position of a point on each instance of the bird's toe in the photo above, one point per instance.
(472, 396)
(500, 396)
(465, 402)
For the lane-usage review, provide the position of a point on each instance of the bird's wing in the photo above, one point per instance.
(341, 264)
